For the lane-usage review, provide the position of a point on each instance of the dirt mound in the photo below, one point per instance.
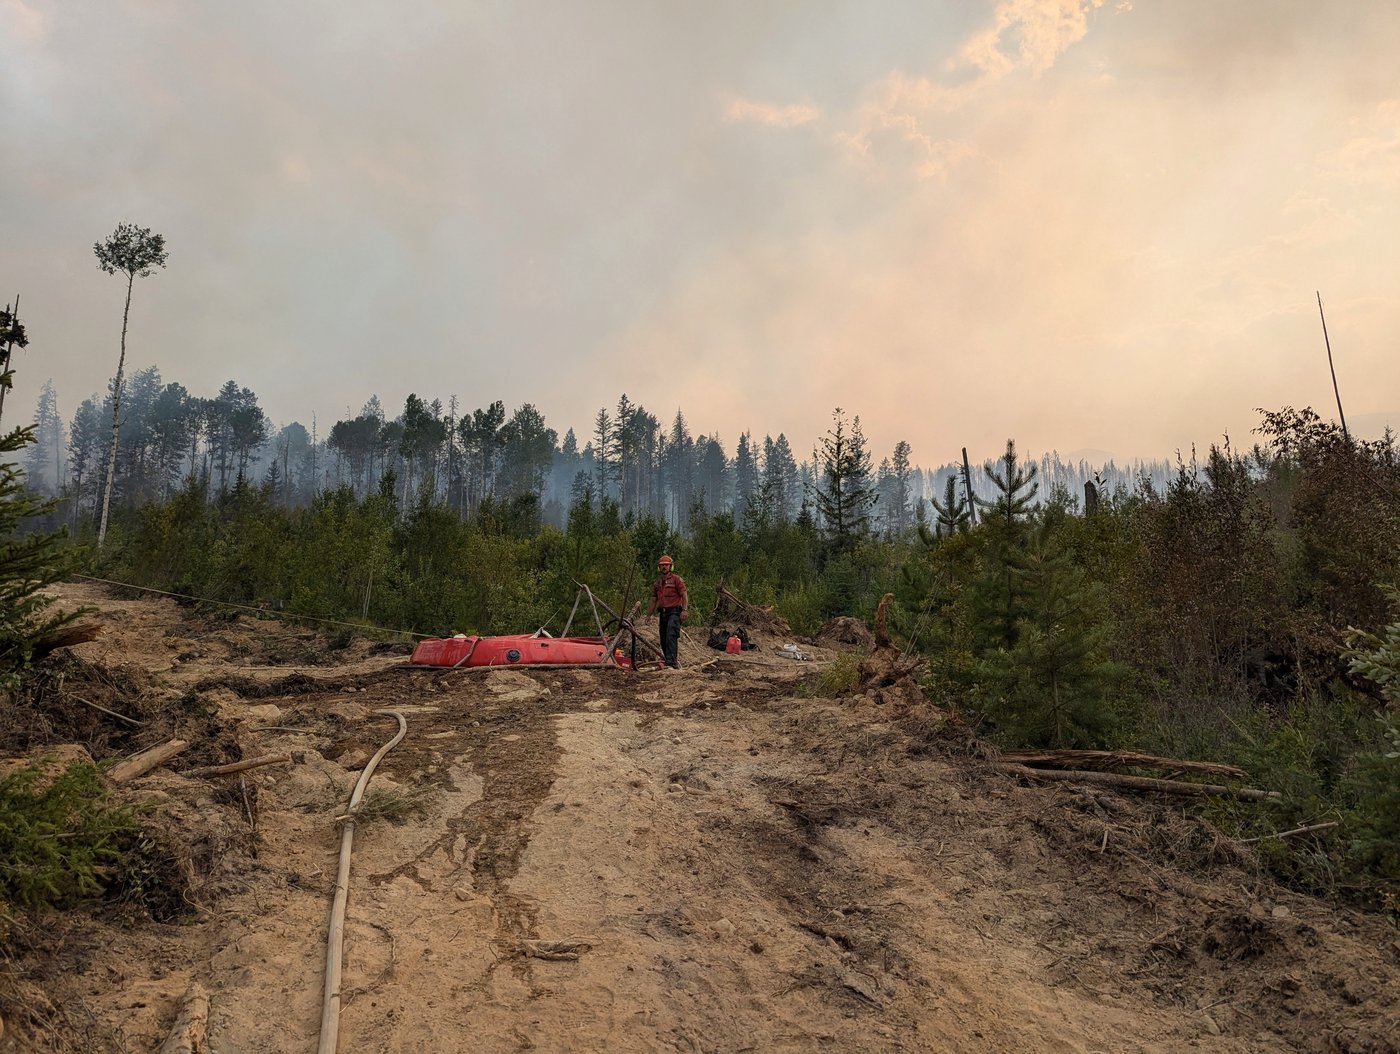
(844, 631)
(692, 859)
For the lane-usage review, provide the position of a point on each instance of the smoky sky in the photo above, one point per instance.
(1078, 223)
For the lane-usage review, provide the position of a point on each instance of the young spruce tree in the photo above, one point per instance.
(1053, 684)
(844, 493)
(28, 563)
(1007, 519)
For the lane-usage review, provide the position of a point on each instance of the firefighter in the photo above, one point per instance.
(668, 597)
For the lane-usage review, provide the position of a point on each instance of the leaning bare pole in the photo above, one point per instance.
(136, 253)
(967, 484)
(1335, 390)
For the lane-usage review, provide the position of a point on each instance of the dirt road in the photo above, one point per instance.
(700, 860)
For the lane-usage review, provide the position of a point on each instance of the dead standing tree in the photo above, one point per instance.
(135, 252)
(11, 335)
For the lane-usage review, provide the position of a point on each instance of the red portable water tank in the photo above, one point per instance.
(733, 646)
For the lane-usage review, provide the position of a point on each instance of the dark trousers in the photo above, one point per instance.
(671, 635)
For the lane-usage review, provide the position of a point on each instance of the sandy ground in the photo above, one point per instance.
(730, 865)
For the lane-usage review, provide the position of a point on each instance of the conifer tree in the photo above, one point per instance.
(780, 477)
(954, 516)
(845, 492)
(28, 563)
(680, 471)
(1016, 488)
(84, 453)
(1007, 518)
(44, 463)
(136, 253)
(898, 511)
(745, 475)
(1053, 684)
(604, 451)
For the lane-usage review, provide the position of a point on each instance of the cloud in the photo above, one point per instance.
(1037, 32)
(791, 116)
(933, 157)
(1040, 31)
(1374, 156)
(22, 21)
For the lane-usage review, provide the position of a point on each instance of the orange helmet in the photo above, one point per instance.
(665, 561)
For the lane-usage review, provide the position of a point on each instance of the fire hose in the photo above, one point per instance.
(330, 1007)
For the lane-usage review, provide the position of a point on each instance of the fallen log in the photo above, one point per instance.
(1138, 783)
(1116, 759)
(242, 766)
(146, 760)
(66, 637)
(189, 1036)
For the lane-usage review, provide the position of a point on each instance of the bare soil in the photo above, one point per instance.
(698, 860)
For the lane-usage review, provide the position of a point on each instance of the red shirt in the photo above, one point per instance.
(669, 592)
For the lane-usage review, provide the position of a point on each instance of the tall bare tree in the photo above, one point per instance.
(135, 252)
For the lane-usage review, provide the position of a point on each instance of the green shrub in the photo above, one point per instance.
(838, 679)
(60, 840)
(802, 607)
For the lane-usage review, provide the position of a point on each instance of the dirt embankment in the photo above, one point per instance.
(696, 860)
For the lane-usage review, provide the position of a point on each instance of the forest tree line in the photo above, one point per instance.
(460, 457)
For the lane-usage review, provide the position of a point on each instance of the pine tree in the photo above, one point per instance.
(709, 453)
(845, 492)
(527, 448)
(1007, 520)
(481, 434)
(898, 509)
(1053, 684)
(780, 477)
(954, 516)
(680, 471)
(136, 253)
(745, 475)
(44, 463)
(84, 452)
(604, 451)
(28, 563)
(1016, 488)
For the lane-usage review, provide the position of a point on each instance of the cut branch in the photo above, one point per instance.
(1289, 834)
(1114, 760)
(146, 760)
(242, 766)
(103, 709)
(1139, 783)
